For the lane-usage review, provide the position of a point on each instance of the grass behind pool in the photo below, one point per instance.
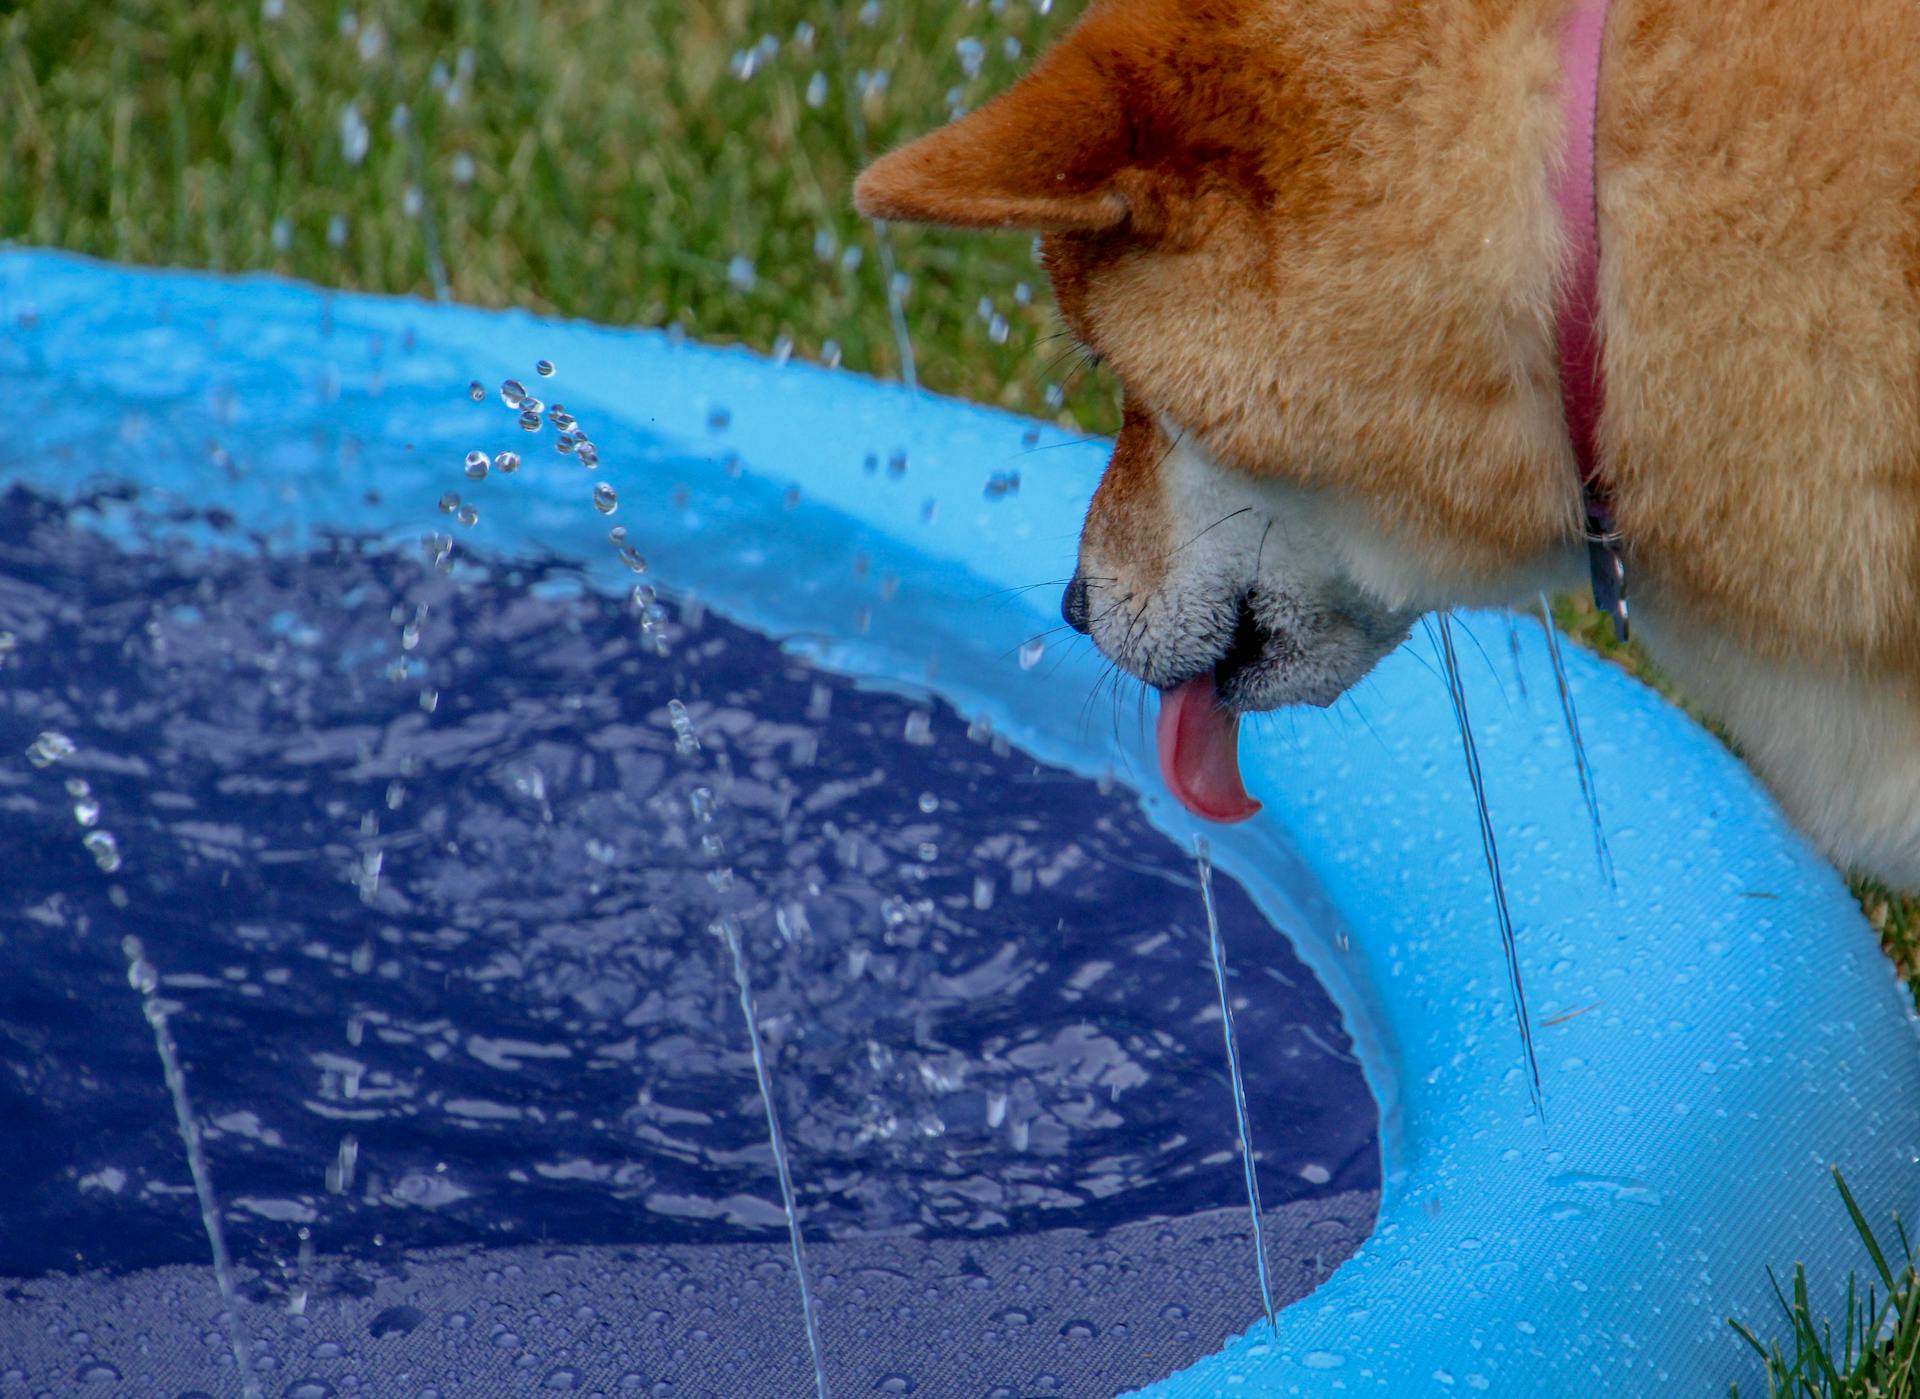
(596, 158)
(626, 161)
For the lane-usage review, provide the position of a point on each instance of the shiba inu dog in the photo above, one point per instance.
(1319, 243)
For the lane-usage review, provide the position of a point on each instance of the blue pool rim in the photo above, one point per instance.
(1712, 1038)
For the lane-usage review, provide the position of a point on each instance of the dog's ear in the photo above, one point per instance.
(1043, 155)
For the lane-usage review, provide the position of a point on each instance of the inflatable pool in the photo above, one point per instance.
(1711, 1038)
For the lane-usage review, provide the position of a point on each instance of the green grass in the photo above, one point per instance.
(596, 158)
(1875, 1351)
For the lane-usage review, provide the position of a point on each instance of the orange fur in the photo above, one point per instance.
(1315, 240)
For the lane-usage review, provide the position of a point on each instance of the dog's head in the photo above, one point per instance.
(1315, 244)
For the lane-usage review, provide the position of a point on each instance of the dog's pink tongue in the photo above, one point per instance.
(1200, 752)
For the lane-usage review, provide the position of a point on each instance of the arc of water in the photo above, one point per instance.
(144, 977)
(1217, 947)
(704, 806)
(1490, 849)
(1601, 853)
(743, 983)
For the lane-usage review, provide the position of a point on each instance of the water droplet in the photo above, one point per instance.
(49, 748)
(354, 136)
(513, 393)
(929, 803)
(530, 420)
(101, 845)
(467, 515)
(562, 1378)
(506, 462)
(544, 369)
(97, 1372)
(686, 740)
(1031, 652)
(142, 975)
(450, 502)
(1080, 1330)
(395, 1321)
(311, 1389)
(1624, 1189)
(604, 499)
(477, 463)
(477, 391)
(895, 1384)
(1315, 1174)
(1323, 1360)
(588, 455)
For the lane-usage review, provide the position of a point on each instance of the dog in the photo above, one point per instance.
(1317, 241)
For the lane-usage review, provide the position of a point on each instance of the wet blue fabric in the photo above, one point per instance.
(1712, 1037)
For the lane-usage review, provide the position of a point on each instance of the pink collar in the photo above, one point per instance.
(1583, 385)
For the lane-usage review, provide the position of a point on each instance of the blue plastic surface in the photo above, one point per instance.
(1711, 1038)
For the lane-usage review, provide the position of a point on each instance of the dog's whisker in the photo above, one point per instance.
(1230, 515)
(1024, 588)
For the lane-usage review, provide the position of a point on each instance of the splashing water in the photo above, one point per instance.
(883, 240)
(1601, 853)
(1490, 848)
(48, 749)
(1219, 950)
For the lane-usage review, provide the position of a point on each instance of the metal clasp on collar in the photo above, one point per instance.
(1606, 563)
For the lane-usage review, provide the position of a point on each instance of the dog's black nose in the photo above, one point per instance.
(1073, 604)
